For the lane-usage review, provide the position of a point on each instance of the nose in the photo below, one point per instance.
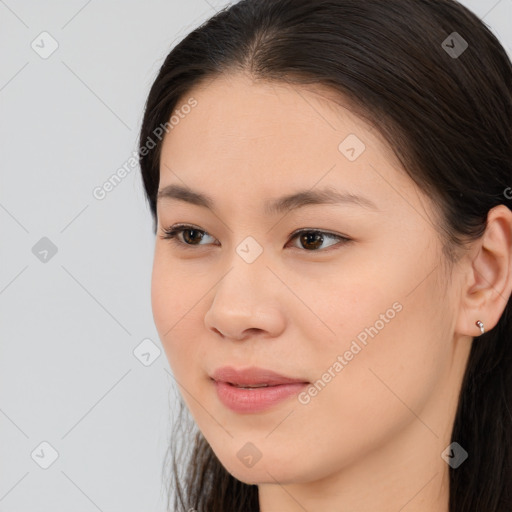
(248, 302)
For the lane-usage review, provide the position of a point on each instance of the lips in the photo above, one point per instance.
(254, 390)
(252, 377)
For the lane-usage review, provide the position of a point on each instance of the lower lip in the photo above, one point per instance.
(256, 399)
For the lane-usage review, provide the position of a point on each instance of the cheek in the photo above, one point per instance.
(399, 366)
(177, 296)
(162, 296)
(174, 290)
(389, 353)
(168, 300)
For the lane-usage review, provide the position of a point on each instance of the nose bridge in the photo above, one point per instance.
(243, 287)
(248, 271)
(245, 297)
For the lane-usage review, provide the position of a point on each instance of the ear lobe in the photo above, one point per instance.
(488, 284)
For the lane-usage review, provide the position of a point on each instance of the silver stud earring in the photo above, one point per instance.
(481, 325)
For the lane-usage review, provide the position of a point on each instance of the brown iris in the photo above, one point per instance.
(311, 237)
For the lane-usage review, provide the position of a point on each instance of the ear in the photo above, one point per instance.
(487, 280)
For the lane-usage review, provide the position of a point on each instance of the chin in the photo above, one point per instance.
(264, 471)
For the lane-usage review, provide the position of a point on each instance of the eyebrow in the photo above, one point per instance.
(274, 206)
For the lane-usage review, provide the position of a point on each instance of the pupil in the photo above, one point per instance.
(187, 239)
(310, 238)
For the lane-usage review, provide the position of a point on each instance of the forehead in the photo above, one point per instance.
(236, 107)
(268, 136)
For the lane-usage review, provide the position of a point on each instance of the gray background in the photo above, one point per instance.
(73, 372)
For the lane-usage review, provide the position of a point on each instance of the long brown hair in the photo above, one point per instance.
(446, 110)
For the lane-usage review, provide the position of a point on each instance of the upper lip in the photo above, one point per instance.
(252, 376)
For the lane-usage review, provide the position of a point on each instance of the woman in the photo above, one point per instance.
(330, 183)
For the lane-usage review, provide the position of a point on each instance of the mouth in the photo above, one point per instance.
(254, 389)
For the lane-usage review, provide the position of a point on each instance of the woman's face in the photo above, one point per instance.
(367, 321)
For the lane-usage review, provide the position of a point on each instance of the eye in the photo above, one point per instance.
(185, 235)
(311, 240)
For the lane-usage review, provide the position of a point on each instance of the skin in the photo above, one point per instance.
(372, 438)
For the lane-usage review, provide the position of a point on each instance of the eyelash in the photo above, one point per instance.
(172, 232)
